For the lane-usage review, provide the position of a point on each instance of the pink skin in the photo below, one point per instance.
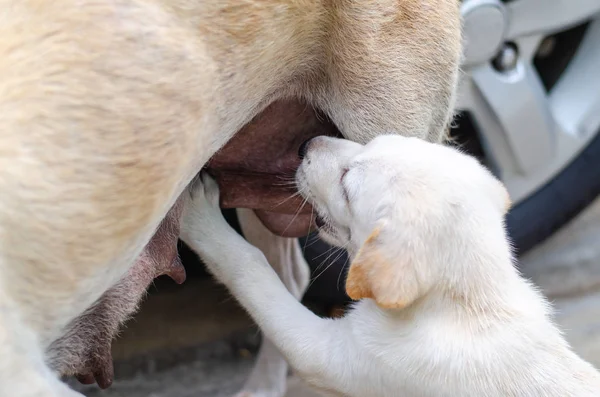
(254, 170)
(257, 166)
(85, 349)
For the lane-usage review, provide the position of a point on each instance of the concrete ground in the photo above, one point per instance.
(195, 341)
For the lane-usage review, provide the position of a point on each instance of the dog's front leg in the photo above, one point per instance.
(268, 377)
(313, 346)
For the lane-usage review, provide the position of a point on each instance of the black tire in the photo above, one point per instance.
(564, 197)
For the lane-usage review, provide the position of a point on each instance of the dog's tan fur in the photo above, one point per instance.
(110, 107)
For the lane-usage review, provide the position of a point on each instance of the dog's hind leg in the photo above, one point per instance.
(22, 369)
(99, 137)
(268, 377)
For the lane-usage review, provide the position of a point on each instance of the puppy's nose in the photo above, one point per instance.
(303, 148)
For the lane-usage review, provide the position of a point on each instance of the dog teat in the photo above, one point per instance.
(256, 168)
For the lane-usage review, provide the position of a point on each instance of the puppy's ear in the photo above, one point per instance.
(392, 282)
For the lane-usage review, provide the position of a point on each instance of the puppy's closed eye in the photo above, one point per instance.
(344, 189)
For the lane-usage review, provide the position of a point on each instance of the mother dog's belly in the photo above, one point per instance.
(256, 168)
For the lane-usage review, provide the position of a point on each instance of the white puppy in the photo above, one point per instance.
(443, 311)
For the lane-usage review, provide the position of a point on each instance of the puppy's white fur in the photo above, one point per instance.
(445, 312)
(269, 374)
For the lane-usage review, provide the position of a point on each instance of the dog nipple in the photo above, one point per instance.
(176, 271)
(105, 374)
(85, 379)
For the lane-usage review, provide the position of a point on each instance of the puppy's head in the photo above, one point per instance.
(404, 208)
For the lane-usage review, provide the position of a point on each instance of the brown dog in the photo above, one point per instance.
(110, 107)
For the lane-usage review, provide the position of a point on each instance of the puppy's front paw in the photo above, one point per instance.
(201, 219)
(204, 193)
(207, 187)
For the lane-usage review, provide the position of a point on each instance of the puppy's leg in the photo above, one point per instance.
(268, 377)
(316, 348)
(394, 68)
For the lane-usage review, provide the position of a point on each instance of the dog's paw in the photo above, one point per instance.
(209, 189)
(201, 218)
(204, 193)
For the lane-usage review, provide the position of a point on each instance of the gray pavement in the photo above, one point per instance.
(195, 341)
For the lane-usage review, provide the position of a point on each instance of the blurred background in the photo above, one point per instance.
(529, 105)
